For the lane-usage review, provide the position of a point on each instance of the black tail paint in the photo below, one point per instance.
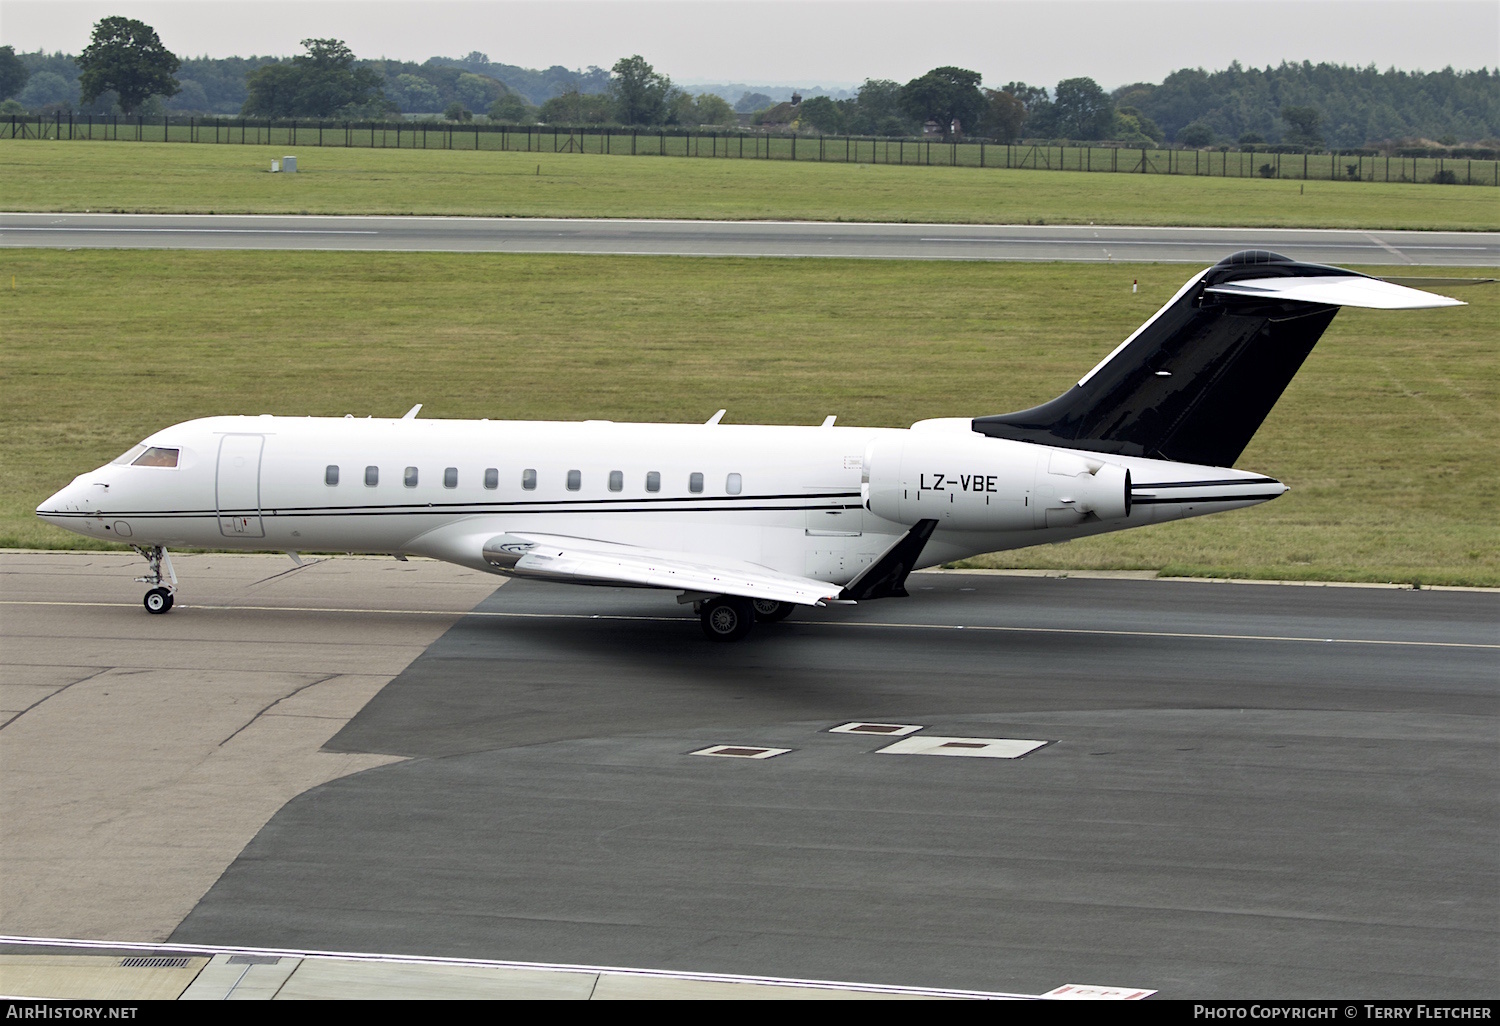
(1195, 382)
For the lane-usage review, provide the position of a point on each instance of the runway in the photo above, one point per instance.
(1086, 243)
(1247, 791)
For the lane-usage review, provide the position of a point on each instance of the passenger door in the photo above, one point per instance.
(237, 486)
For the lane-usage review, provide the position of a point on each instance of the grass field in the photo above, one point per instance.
(1388, 436)
(160, 178)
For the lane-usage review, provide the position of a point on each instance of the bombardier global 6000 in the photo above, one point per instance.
(748, 522)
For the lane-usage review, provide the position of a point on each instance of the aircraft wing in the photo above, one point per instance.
(588, 561)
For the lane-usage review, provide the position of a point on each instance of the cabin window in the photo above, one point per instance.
(128, 456)
(372, 476)
(491, 478)
(331, 475)
(155, 457)
(410, 477)
(575, 480)
(695, 482)
(450, 477)
(617, 480)
(528, 479)
(653, 481)
(733, 484)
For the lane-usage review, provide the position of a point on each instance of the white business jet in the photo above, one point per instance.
(749, 522)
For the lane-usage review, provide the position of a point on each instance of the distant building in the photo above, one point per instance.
(783, 115)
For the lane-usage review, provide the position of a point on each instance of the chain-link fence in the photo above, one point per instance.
(740, 145)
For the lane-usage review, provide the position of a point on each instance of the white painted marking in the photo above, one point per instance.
(741, 752)
(656, 974)
(883, 729)
(1086, 992)
(963, 747)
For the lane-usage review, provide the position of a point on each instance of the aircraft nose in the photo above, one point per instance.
(63, 506)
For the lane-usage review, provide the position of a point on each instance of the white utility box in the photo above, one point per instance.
(289, 165)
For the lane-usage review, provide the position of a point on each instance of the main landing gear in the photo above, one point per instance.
(730, 617)
(771, 611)
(159, 598)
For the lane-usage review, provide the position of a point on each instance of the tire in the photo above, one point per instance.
(727, 618)
(157, 600)
(771, 611)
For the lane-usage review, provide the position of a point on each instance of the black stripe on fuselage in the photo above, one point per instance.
(1180, 499)
(406, 511)
(1230, 481)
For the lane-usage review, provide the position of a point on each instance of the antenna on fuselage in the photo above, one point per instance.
(715, 418)
(411, 414)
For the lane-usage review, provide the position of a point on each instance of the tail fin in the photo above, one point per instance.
(1194, 383)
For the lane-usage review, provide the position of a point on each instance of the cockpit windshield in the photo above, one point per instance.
(128, 457)
(156, 457)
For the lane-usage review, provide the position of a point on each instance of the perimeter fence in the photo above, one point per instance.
(738, 145)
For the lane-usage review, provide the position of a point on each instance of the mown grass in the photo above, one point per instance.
(1388, 436)
(132, 177)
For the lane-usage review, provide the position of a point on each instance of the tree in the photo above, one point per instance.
(47, 90)
(1005, 116)
(713, 109)
(321, 83)
(750, 102)
(640, 93)
(877, 110)
(822, 114)
(1304, 122)
(126, 56)
(945, 95)
(512, 109)
(13, 73)
(1030, 96)
(1195, 136)
(575, 108)
(1133, 127)
(456, 111)
(415, 93)
(477, 92)
(1082, 110)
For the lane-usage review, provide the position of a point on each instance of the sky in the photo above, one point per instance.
(832, 43)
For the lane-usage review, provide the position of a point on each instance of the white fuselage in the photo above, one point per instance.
(793, 499)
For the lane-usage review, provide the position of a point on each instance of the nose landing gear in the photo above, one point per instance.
(159, 598)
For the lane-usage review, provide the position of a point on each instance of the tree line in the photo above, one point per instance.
(127, 69)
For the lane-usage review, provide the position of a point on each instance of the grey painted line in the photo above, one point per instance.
(990, 628)
(199, 231)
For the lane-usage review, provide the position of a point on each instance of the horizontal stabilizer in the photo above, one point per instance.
(568, 560)
(1371, 293)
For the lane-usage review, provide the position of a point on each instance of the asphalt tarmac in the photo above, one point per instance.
(1085, 243)
(1249, 791)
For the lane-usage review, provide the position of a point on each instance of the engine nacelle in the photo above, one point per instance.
(972, 483)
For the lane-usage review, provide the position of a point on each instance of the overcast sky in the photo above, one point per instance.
(814, 42)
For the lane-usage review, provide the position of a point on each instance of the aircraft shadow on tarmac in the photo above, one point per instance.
(1218, 818)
